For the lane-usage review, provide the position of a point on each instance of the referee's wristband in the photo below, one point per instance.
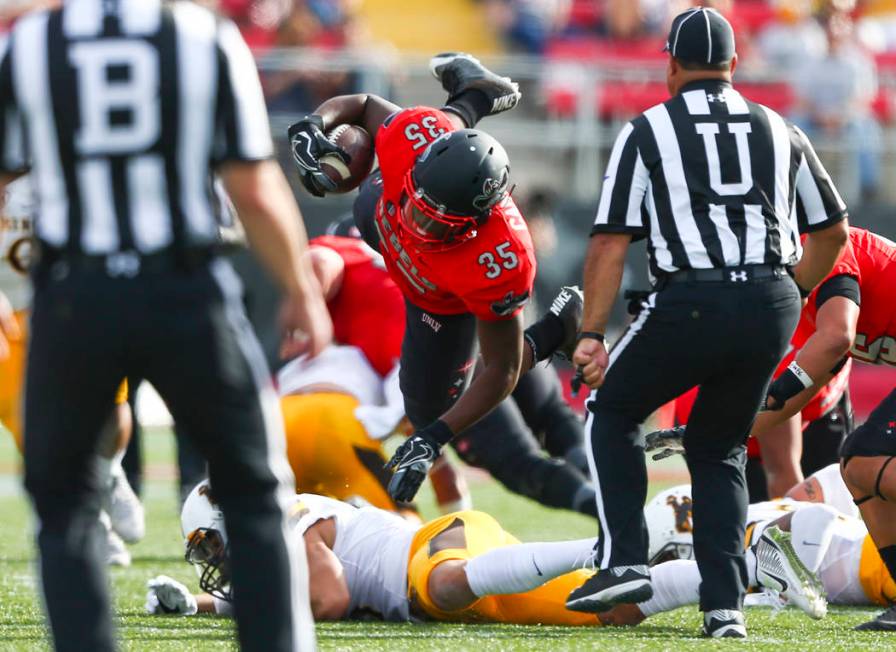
(590, 335)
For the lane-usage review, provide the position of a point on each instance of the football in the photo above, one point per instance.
(358, 144)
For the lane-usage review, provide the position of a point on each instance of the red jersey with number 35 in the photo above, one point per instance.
(489, 275)
(871, 260)
(368, 310)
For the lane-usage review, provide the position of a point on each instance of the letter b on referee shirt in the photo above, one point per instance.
(119, 82)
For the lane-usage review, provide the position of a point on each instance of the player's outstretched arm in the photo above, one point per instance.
(501, 348)
(815, 364)
(326, 578)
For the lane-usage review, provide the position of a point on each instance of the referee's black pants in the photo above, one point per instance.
(726, 337)
(186, 334)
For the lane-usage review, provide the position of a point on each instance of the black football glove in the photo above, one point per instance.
(460, 73)
(309, 144)
(414, 458)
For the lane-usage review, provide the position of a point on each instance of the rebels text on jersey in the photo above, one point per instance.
(489, 275)
(871, 260)
(368, 310)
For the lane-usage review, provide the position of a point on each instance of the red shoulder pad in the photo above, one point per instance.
(403, 137)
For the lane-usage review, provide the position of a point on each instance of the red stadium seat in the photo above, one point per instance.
(606, 51)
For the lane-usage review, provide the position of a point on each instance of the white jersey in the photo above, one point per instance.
(839, 570)
(373, 547)
(15, 242)
(344, 367)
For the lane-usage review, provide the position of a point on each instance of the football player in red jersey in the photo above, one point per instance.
(853, 312)
(454, 242)
(368, 312)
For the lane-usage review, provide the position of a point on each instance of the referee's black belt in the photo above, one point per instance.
(126, 264)
(739, 274)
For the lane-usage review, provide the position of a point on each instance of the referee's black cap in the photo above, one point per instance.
(701, 35)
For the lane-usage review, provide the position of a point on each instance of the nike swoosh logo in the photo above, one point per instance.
(537, 569)
(424, 456)
(307, 149)
(807, 543)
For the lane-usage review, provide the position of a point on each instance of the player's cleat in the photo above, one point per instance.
(117, 553)
(125, 509)
(460, 72)
(724, 623)
(666, 442)
(779, 568)
(568, 306)
(885, 622)
(611, 586)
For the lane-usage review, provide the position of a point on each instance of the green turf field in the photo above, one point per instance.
(21, 625)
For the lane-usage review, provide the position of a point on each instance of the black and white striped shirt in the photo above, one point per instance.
(714, 180)
(122, 109)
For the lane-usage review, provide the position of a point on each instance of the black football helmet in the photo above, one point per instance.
(453, 186)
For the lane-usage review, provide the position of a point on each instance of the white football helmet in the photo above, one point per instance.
(205, 539)
(670, 525)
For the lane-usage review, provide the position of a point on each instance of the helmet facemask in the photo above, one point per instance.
(672, 551)
(208, 551)
(430, 223)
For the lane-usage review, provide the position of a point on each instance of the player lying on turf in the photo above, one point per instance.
(368, 312)
(462, 567)
(830, 553)
(122, 517)
(439, 211)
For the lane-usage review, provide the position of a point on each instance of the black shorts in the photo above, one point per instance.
(437, 358)
(877, 436)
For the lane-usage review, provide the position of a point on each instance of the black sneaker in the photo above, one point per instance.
(611, 586)
(459, 72)
(724, 623)
(567, 306)
(885, 622)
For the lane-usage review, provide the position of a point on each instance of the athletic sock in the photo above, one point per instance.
(116, 460)
(525, 566)
(104, 470)
(811, 530)
(545, 335)
(675, 584)
(888, 554)
(750, 557)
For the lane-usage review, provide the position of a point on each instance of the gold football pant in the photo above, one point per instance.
(329, 450)
(12, 378)
(545, 605)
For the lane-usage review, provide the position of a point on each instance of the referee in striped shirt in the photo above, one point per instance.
(123, 110)
(721, 188)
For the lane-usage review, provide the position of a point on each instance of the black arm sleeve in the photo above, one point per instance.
(842, 285)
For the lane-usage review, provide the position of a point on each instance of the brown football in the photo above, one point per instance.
(358, 144)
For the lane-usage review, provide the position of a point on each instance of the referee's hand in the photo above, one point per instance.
(592, 359)
(9, 327)
(306, 325)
